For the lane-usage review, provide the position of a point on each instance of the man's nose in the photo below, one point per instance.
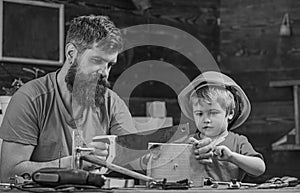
(103, 71)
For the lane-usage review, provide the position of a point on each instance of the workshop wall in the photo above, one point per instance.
(198, 18)
(254, 53)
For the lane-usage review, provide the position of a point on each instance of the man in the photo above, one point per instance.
(43, 114)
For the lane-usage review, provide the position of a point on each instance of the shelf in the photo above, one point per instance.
(285, 147)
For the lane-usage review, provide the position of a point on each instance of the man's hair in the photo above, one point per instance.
(84, 31)
(219, 94)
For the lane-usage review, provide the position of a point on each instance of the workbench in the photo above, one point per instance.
(220, 189)
(210, 190)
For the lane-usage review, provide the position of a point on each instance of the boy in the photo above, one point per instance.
(218, 105)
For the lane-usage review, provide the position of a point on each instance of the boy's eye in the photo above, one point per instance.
(199, 113)
(214, 112)
(110, 64)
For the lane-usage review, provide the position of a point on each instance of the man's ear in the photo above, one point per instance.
(70, 52)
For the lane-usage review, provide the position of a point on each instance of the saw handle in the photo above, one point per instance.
(95, 160)
(111, 141)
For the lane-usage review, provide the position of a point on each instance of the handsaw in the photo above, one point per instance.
(133, 146)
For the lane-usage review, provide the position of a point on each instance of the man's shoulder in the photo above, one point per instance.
(39, 86)
(114, 99)
(113, 95)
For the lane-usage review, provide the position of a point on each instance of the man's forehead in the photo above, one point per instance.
(101, 53)
(109, 46)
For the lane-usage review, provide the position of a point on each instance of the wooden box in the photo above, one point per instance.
(174, 162)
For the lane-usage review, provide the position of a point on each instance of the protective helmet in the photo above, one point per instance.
(212, 78)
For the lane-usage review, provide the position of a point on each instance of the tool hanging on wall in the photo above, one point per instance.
(285, 28)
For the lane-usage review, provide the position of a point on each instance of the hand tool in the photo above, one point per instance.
(151, 182)
(96, 160)
(53, 177)
(233, 184)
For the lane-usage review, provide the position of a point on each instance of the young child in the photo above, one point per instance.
(218, 106)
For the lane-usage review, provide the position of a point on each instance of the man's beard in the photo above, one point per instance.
(87, 90)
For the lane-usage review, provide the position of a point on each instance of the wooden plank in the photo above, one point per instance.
(297, 115)
(258, 89)
(284, 83)
(174, 162)
(194, 12)
(269, 12)
(103, 4)
(250, 38)
(289, 147)
(260, 61)
(143, 54)
(296, 95)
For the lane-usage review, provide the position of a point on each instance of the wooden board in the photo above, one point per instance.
(174, 162)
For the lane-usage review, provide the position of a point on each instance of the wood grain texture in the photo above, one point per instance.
(198, 18)
(174, 162)
(250, 39)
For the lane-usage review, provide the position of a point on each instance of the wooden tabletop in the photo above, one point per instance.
(220, 189)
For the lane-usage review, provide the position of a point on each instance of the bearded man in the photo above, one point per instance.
(44, 113)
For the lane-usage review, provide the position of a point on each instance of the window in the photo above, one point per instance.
(31, 32)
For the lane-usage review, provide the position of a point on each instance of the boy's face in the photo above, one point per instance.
(211, 119)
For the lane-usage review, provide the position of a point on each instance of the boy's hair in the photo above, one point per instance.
(84, 31)
(220, 94)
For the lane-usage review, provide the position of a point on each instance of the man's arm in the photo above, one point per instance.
(15, 160)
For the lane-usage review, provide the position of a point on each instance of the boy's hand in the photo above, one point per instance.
(203, 150)
(222, 153)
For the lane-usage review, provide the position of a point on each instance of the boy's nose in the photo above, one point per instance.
(207, 119)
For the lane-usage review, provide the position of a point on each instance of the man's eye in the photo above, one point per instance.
(213, 112)
(97, 62)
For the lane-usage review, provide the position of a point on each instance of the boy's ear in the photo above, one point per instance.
(70, 52)
(230, 115)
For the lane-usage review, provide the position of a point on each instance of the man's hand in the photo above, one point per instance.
(222, 153)
(101, 149)
(203, 150)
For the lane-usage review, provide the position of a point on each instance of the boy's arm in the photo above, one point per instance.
(250, 164)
